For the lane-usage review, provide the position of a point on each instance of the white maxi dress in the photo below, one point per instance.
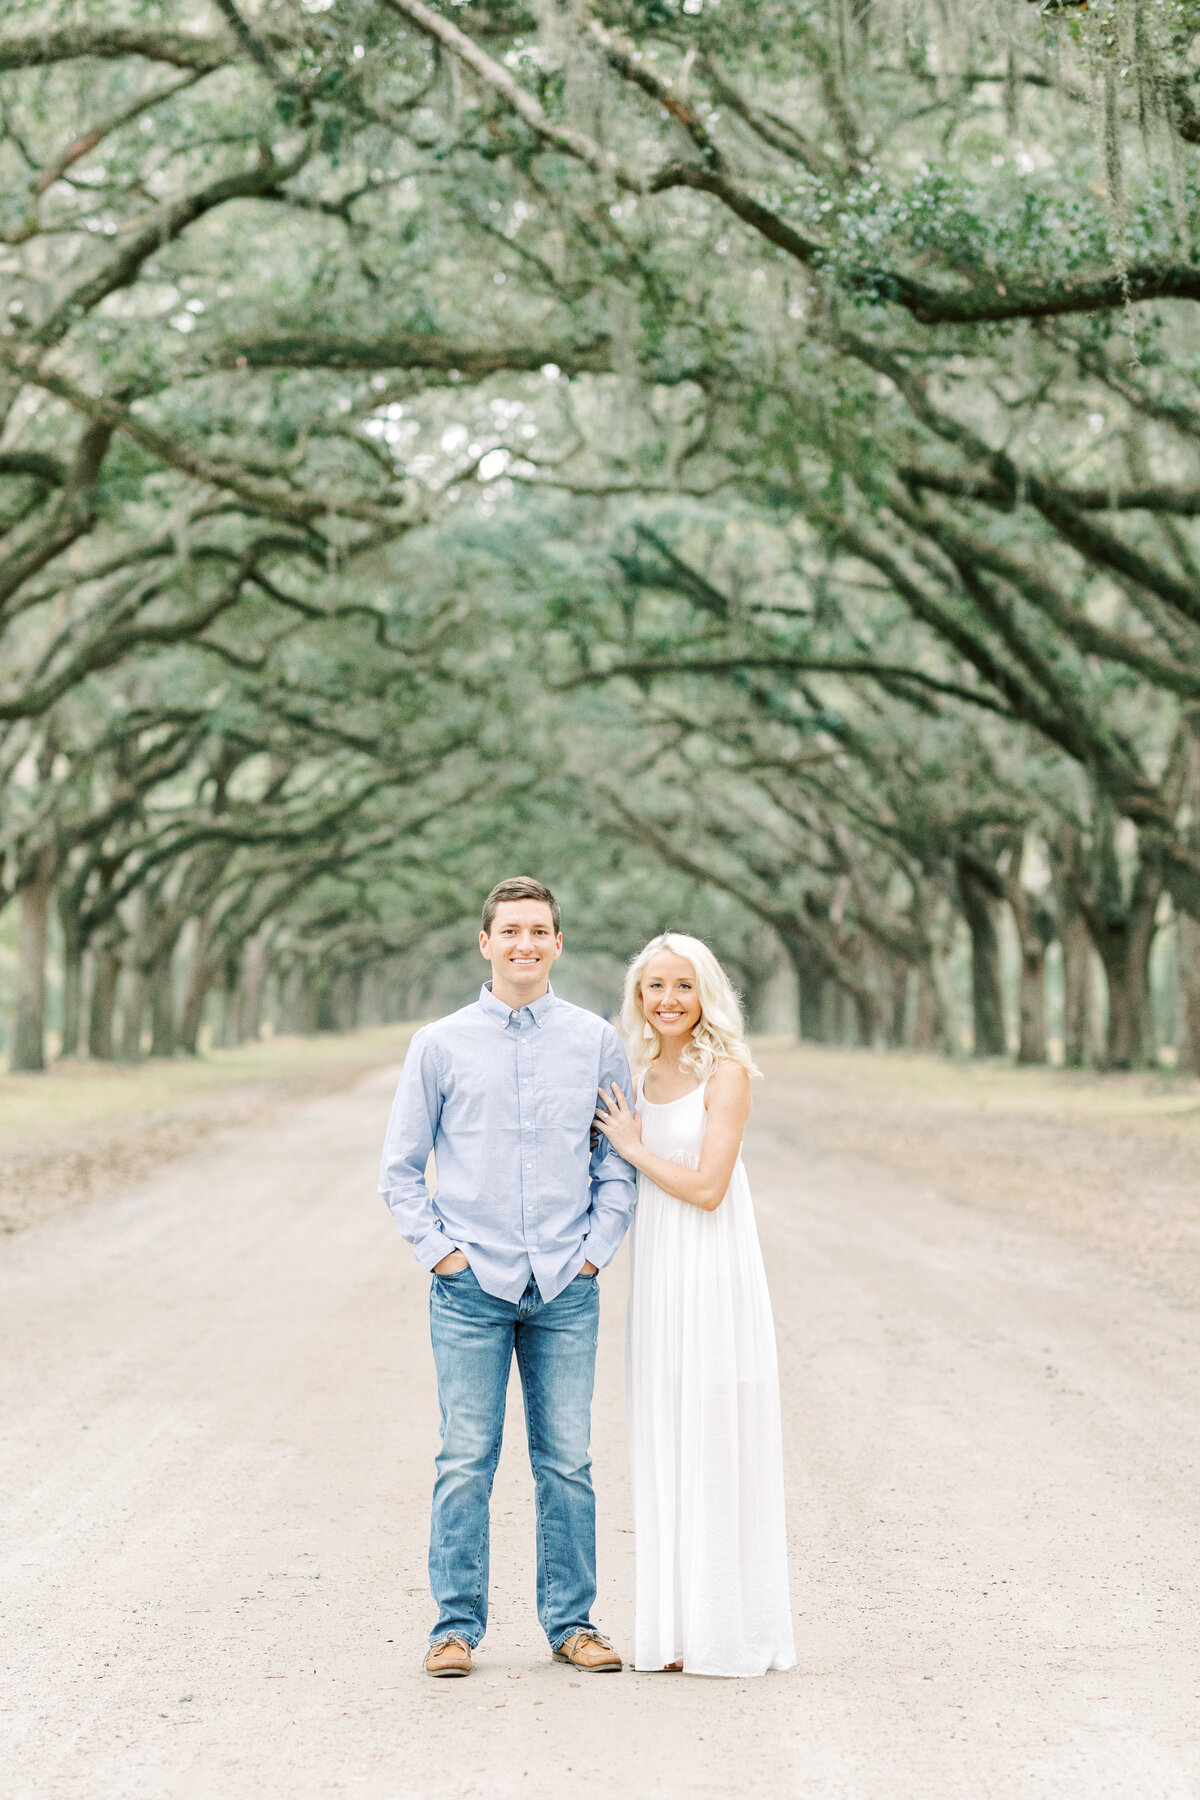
(702, 1386)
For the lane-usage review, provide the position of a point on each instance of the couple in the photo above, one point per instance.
(535, 1191)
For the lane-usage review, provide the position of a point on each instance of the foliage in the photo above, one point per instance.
(739, 453)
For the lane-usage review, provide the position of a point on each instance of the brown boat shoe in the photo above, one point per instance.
(588, 1650)
(449, 1656)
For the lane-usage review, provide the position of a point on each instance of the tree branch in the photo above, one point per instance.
(88, 140)
(494, 75)
(883, 672)
(313, 350)
(166, 224)
(185, 49)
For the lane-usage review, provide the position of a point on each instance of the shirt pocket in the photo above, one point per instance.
(569, 1103)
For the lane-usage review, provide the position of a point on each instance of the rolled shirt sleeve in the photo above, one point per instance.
(411, 1131)
(613, 1181)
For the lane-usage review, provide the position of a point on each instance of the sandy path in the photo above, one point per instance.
(216, 1429)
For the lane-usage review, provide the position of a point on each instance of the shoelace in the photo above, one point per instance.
(589, 1637)
(443, 1642)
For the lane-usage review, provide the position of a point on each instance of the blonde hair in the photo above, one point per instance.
(718, 1035)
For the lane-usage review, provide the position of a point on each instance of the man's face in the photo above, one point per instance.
(522, 943)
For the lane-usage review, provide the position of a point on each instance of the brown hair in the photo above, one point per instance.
(518, 887)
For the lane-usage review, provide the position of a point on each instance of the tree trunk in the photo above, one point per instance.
(1031, 1047)
(72, 998)
(227, 1023)
(987, 1002)
(106, 973)
(864, 1020)
(1189, 992)
(898, 985)
(29, 1020)
(354, 995)
(810, 982)
(1124, 943)
(228, 1020)
(1035, 933)
(139, 968)
(1188, 923)
(133, 1011)
(200, 977)
(162, 1007)
(291, 992)
(339, 1002)
(1125, 955)
(251, 987)
(833, 1029)
(73, 954)
(780, 1007)
(927, 1030)
(752, 991)
(325, 1020)
(1123, 1048)
(1078, 1024)
(812, 1012)
(309, 1005)
(1121, 916)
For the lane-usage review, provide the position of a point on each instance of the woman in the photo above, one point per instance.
(703, 1386)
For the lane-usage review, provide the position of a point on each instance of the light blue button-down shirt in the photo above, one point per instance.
(505, 1100)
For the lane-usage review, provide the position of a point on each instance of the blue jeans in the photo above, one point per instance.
(474, 1338)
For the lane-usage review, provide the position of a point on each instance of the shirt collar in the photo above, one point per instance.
(506, 1015)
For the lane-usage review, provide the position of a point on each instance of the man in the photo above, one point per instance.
(525, 1214)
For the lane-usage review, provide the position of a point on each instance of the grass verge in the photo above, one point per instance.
(84, 1129)
(1110, 1161)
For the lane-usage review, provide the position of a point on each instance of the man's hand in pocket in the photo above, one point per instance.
(452, 1264)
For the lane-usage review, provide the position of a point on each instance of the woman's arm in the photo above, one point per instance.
(728, 1104)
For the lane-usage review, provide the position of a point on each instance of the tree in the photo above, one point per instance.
(851, 352)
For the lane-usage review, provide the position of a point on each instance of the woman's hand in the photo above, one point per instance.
(622, 1128)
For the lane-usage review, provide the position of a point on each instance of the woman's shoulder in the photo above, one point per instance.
(729, 1080)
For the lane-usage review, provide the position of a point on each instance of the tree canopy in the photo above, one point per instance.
(739, 458)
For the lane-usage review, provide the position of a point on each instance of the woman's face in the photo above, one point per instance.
(670, 996)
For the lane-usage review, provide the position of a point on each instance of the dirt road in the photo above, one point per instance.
(216, 1429)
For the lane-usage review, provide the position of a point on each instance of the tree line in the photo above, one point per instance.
(740, 455)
